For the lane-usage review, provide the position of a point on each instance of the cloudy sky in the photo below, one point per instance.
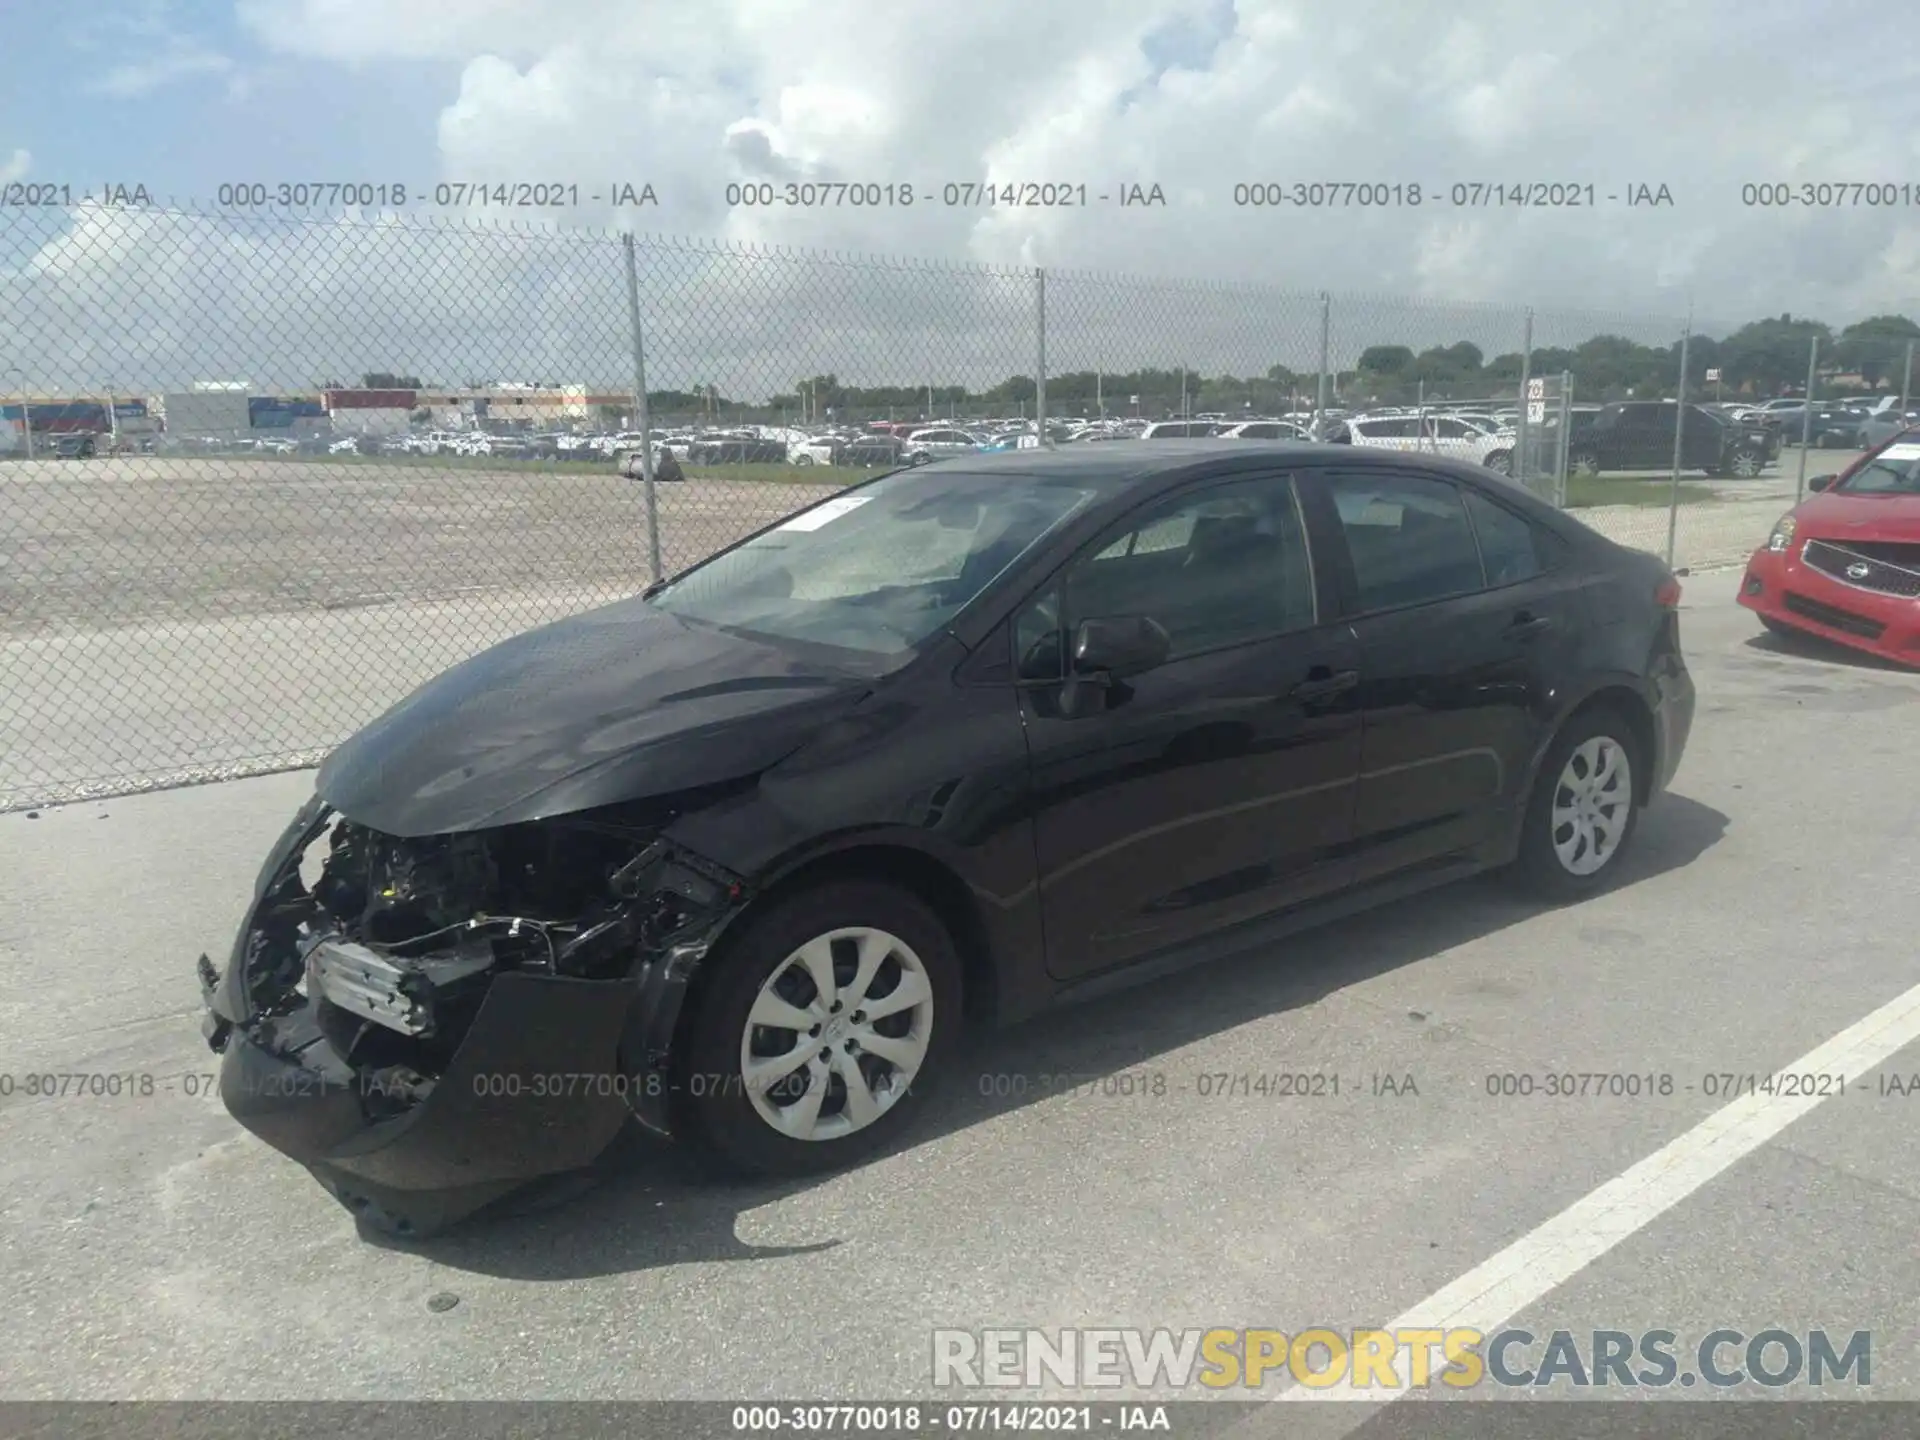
(1194, 96)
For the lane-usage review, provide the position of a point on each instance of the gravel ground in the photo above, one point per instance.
(91, 545)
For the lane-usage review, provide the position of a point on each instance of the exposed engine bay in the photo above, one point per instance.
(363, 976)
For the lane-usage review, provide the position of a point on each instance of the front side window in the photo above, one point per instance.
(1218, 567)
(1409, 538)
(880, 569)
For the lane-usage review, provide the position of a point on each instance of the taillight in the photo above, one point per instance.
(1667, 597)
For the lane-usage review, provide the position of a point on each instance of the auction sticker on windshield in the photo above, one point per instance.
(824, 514)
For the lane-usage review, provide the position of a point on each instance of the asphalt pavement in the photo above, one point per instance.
(1090, 1170)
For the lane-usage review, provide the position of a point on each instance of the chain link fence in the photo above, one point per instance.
(261, 475)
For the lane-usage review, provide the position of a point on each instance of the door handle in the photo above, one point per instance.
(1323, 684)
(1525, 626)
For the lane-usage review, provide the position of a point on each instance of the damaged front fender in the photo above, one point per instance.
(432, 1023)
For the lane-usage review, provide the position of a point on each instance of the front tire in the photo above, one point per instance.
(1584, 809)
(820, 1032)
(1500, 462)
(1745, 465)
(1586, 463)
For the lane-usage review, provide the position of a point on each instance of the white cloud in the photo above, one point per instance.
(16, 167)
(1368, 91)
(693, 98)
(176, 60)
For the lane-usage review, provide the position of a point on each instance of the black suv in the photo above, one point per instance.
(1638, 435)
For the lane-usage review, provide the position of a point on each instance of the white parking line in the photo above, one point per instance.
(1493, 1292)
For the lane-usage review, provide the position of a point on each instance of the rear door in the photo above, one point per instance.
(1468, 619)
(1387, 432)
(1454, 438)
(1217, 787)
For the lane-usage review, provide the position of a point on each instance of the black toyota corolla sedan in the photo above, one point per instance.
(741, 856)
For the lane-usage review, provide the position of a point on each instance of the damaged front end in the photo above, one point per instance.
(428, 1024)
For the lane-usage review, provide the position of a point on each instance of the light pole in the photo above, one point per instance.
(26, 410)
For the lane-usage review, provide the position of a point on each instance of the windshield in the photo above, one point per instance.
(1894, 471)
(881, 568)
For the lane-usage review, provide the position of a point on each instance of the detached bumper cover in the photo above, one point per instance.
(540, 1083)
(535, 1089)
(1783, 587)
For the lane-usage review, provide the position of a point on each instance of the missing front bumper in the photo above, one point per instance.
(537, 1083)
(536, 1089)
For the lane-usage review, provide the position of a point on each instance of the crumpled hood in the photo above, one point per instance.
(1838, 516)
(618, 704)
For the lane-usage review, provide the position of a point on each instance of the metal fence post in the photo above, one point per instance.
(640, 407)
(1320, 382)
(1679, 429)
(1806, 418)
(1563, 449)
(1906, 379)
(1040, 369)
(1522, 451)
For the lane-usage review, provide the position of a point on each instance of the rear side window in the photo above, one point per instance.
(1511, 549)
(1409, 538)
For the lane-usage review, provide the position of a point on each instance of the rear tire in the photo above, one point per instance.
(744, 1126)
(1500, 462)
(1584, 809)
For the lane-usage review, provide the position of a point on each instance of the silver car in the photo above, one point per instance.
(1876, 429)
(938, 442)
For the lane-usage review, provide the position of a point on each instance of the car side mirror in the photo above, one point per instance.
(1822, 482)
(1120, 645)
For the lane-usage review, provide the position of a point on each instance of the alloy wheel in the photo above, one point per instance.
(1746, 465)
(837, 1034)
(1591, 803)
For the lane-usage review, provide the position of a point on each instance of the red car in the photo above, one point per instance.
(1845, 564)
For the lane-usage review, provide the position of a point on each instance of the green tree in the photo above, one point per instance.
(1385, 361)
(1771, 355)
(1875, 349)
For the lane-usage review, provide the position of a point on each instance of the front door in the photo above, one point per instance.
(1217, 787)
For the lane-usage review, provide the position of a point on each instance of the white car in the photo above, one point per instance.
(1264, 430)
(1485, 424)
(939, 442)
(1433, 435)
(1180, 430)
(813, 450)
